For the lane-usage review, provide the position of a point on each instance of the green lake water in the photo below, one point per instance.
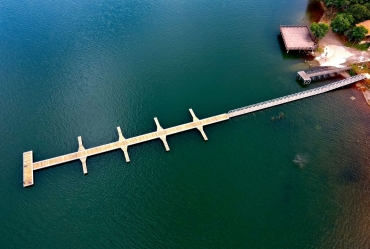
(82, 68)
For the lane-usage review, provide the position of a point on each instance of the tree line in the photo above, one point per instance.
(349, 12)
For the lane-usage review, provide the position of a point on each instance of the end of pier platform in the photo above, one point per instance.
(27, 169)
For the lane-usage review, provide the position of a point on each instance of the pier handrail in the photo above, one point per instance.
(295, 96)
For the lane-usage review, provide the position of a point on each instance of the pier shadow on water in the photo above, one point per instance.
(293, 54)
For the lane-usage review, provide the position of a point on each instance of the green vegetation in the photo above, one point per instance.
(358, 69)
(362, 47)
(358, 33)
(319, 30)
(342, 23)
(350, 12)
(359, 12)
(343, 5)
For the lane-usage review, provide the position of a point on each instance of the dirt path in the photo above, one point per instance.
(330, 39)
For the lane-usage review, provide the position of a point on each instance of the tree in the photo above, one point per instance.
(367, 5)
(343, 4)
(342, 23)
(339, 4)
(319, 30)
(358, 33)
(359, 12)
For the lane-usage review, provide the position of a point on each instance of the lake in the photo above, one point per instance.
(82, 68)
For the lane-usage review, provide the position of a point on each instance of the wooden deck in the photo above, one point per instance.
(297, 37)
(122, 143)
(27, 169)
(318, 74)
(302, 75)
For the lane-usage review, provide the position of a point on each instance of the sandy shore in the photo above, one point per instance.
(337, 55)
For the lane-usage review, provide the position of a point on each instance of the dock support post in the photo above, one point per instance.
(124, 146)
(81, 148)
(161, 134)
(199, 125)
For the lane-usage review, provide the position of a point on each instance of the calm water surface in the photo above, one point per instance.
(82, 68)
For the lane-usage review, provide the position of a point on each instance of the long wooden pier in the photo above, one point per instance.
(29, 166)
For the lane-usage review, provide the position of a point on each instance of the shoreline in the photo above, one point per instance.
(336, 43)
(366, 94)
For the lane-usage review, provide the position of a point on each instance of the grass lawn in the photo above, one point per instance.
(362, 47)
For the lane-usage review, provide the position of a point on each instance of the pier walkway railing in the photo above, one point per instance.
(295, 96)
